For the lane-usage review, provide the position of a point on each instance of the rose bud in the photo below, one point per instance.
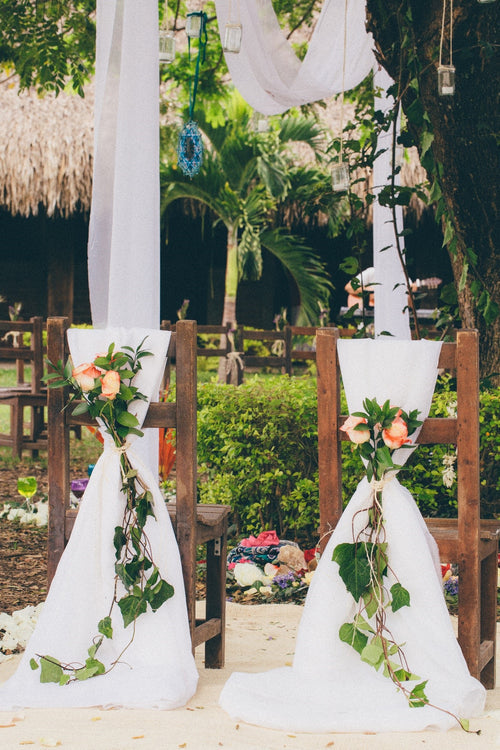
(110, 383)
(85, 375)
(356, 436)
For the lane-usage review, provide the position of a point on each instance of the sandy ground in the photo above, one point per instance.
(258, 638)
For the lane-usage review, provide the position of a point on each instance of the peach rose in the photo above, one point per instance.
(356, 436)
(85, 375)
(110, 384)
(397, 434)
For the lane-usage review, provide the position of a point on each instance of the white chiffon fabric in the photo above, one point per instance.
(158, 669)
(268, 73)
(329, 688)
(124, 231)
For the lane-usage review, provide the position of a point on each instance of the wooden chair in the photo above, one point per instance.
(282, 361)
(32, 395)
(224, 349)
(193, 524)
(469, 541)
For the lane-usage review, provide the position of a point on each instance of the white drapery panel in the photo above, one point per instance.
(391, 303)
(329, 688)
(158, 669)
(271, 78)
(269, 75)
(124, 234)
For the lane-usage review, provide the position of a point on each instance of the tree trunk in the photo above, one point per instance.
(464, 127)
(230, 292)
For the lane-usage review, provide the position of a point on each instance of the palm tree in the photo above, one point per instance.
(244, 176)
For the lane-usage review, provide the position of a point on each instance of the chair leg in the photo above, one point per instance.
(216, 600)
(17, 427)
(489, 576)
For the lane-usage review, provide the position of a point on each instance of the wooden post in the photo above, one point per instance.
(288, 349)
(58, 449)
(469, 563)
(186, 458)
(329, 444)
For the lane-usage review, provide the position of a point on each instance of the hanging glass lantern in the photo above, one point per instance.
(340, 177)
(232, 37)
(167, 46)
(446, 80)
(193, 24)
(262, 124)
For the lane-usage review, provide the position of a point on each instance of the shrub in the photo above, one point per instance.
(258, 443)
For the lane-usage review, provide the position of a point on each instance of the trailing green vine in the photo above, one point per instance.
(104, 389)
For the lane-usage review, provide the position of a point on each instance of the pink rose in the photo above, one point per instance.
(397, 434)
(356, 436)
(85, 375)
(110, 383)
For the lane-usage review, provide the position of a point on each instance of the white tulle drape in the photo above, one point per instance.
(329, 688)
(271, 78)
(157, 670)
(124, 233)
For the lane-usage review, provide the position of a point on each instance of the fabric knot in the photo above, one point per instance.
(121, 448)
(378, 485)
(234, 363)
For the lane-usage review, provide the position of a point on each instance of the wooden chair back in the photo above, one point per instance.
(22, 395)
(193, 524)
(468, 540)
(22, 354)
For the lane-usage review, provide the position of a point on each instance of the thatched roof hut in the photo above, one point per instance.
(46, 154)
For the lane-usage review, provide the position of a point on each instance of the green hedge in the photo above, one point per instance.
(257, 449)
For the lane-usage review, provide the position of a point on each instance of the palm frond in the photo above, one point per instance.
(305, 267)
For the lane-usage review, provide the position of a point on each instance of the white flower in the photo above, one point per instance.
(247, 573)
(18, 627)
(449, 475)
(451, 408)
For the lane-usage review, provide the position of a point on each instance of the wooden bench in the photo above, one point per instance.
(194, 524)
(468, 540)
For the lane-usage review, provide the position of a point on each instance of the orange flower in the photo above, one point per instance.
(356, 436)
(110, 383)
(85, 375)
(397, 434)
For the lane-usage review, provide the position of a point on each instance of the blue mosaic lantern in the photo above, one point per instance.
(190, 149)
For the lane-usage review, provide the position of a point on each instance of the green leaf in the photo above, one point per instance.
(371, 604)
(119, 539)
(400, 597)
(82, 407)
(159, 594)
(348, 633)
(34, 664)
(51, 670)
(464, 723)
(105, 627)
(131, 607)
(64, 679)
(417, 697)
(373, 653)
(353, 567)
(144, 508)
(127, 419)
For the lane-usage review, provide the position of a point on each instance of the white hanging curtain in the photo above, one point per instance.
(124, 233)
(271, 78)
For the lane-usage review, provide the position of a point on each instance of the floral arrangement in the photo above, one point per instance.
(364, 564)
(104, 389)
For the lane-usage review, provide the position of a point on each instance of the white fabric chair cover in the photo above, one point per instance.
(158, 669)
(329, 688)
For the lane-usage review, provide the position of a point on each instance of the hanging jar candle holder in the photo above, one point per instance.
(193, 24)
(340, 177)
(232, 37)
(167, 46)
(446, 80)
